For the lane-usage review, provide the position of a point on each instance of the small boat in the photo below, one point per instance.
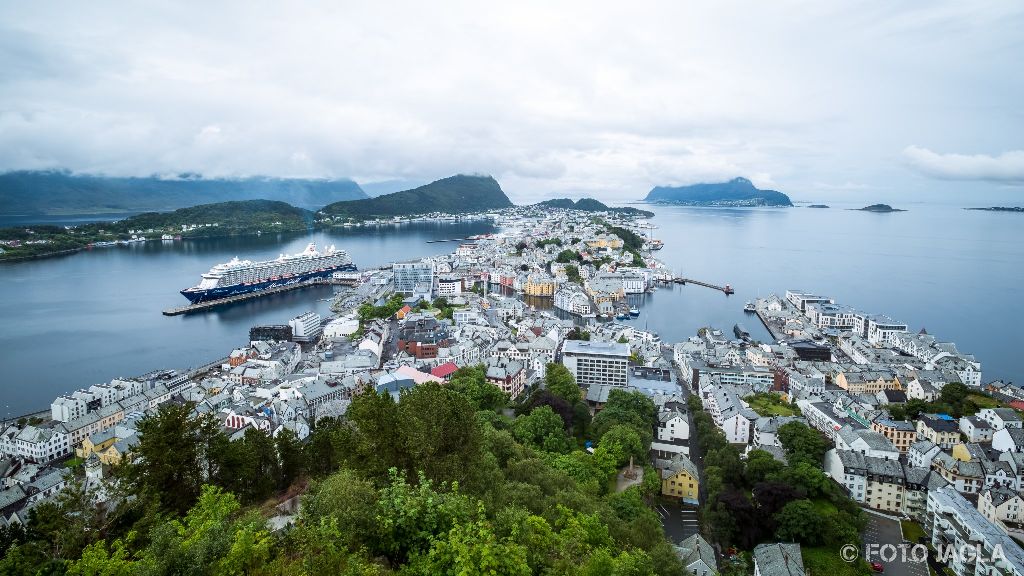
(634, 311)
(622, 317)
(749, 307)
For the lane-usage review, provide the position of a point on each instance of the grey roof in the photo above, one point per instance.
(1016, 435)
(678, 463)
(595, 348)
(780, 559)
(694, 549)
(1007, 414)
(999, 494)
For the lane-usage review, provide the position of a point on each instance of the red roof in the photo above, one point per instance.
(1017, 404)
(444, 370)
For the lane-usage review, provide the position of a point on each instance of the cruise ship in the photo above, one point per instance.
(243, 276)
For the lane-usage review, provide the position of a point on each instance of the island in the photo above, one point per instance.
(999, 209)
(818, 206)
(62, 193)
(592, 205)
(459, 194)
(738, 192)
(880, 208)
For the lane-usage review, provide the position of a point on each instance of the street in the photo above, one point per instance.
(680, 522)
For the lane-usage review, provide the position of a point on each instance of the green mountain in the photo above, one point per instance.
(64, 193)
(592, 205)
(736, 192)
(459, 194)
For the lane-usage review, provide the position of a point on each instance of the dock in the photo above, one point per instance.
(447, 240)
(727, 289)
(209, 305)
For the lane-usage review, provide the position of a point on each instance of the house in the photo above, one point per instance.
(870, 382)
(966, 477)
(509, 375)
(1001, 506)
(780, 559)
(999, 418)
(920, 389)
(901, 433)
(672, 434)
(697, 556)
(866, 442)
(444, 371)
(766, 429)
(976, 429)
(1008, 440)
(940, 429)
(679, 478)
(876, 482)
(921, 453)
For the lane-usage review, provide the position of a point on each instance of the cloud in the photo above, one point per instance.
(598, 98)
(1007, 167)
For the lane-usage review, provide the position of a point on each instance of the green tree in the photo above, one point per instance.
(560, 382)
(542, 428)
(800, 522)
(802, 443)
(292, 457)
(760, 465)
(623, 441)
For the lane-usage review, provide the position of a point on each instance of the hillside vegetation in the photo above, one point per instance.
(436, 482)
(459, 194)
(64, 193)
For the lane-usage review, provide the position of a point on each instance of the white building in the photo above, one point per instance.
(596, 363)
(449, 286)
(408, 275)
(305, 327)
(35, 444)
(954, 523)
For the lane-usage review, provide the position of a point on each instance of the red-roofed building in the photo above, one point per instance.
(445, 371)
(403, 311)
(1017, 404)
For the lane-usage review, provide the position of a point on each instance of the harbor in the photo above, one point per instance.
(211, 304)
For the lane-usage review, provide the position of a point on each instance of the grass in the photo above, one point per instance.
(985, 401)
(826, 560)
(770, 405)
(911, 530)
(73, 462)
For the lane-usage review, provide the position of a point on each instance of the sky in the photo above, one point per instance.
(900, 102)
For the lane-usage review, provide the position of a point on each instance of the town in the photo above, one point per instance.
(849, 427)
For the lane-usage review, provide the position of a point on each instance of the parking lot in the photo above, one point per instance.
(881, 531)
(680, 522)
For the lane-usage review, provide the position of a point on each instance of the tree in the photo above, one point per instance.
(440, 433)
(472, 383)
(760, 464)
(542, 429)
(169, 461)
(802, 443)
(800, 522)
(560, 382)
(293, 459)
(623, 441)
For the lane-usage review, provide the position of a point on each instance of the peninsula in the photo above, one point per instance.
(460, 194)
(592, 205)
(736, 192)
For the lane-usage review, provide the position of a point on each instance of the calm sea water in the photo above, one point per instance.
(78, 320)
(73, 321)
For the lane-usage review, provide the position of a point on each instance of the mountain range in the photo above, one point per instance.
(60, 192)
(735, 192)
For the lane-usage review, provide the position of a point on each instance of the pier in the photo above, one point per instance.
(727, 289)
(447, 240)
(209, 305)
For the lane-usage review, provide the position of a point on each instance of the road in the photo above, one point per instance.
(680, 521)
(881, 531)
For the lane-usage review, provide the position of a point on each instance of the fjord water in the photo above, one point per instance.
(82, 319)
(73, 321)
(957, 273)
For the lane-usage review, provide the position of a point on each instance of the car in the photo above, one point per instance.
(877, 567)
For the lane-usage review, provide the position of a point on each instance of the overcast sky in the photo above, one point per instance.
(901, 101)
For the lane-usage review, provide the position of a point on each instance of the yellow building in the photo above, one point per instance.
(902, 434)
(679, 479)
(539, 285)
(605, 241)
(869, 382)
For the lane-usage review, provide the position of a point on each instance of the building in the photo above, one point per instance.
(679, 479)
(672, 434)
(35, 444)
(306, 327)
(697, 556)
(539, 284)
(976, 429)
(866, 442)
(509, 375)
(449, 286)
(409, 275)
(941, 430)
(781, 559)
(999, 418)
(900, 432)
(423, 337)
(596, 363)
(954, 523)
(801, 299)
(868, 382)
(870, 480)
(574, 301)
(1008, 440)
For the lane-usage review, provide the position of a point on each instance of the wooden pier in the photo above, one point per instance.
(727, 289)
(209, 305)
